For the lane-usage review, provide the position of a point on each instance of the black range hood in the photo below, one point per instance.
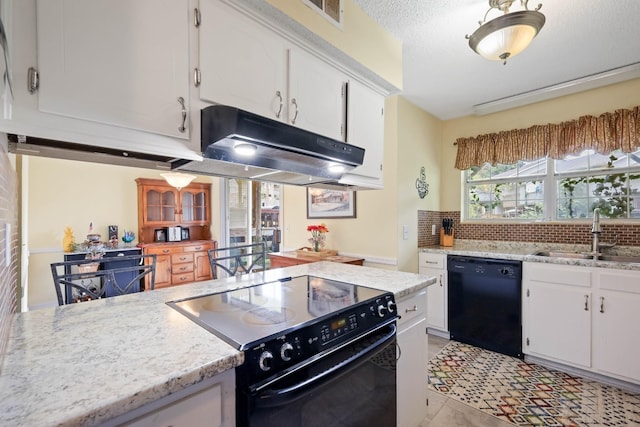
(283, 153)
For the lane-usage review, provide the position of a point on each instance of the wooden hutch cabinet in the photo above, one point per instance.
(160, 206)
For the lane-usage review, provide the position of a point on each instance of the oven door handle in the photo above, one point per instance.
(293, 392)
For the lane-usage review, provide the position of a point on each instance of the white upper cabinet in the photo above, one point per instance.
(118, 62)
(316, 100)
(242, 64)
(245, 65)
(365, 128)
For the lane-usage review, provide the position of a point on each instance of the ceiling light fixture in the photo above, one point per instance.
(177, 179)
(245, 149)
(507, 35)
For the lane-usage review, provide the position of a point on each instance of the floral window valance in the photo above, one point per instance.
(608, 132)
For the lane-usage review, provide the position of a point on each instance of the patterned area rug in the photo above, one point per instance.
(526, 394)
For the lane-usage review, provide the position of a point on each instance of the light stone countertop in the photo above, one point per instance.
(83, 364)
(522, 251)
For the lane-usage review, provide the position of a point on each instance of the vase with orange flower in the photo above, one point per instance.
(317, 236)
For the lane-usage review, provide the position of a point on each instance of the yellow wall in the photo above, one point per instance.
(592, 102)
(65, 193)
(419, 136)
(361, 37)
(372, 234)
(412, 140)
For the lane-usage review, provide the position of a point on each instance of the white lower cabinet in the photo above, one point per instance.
(583, 317)
(556, 313)
(208, 404)
(616, 314)
(431, 264)
(413, 356)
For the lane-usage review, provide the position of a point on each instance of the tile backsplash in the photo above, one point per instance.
(561, 233)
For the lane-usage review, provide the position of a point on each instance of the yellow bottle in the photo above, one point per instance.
(68, 242)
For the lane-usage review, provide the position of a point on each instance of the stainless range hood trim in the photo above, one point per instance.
(284, 153)
(41, 147)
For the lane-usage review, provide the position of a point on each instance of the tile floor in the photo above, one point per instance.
(446, 412)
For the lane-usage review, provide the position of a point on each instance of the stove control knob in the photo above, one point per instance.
(266, 361)
(286, 352)
(381, 310)
(391, 306)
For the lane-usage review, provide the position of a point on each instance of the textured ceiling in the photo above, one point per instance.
(445, 77)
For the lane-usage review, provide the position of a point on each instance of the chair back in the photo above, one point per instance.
(241, 259)
(88, 279)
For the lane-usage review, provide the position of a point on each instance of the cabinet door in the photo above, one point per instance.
(160, 205)
(117, 62)
(558, 320)
(163, 271)
(436, 299)
(616, 316)
(615, 350)
(195, 206)
(242, 63)
(411, 374)
(198, 410)
(365, 118)
(202, 267)
(316, 100)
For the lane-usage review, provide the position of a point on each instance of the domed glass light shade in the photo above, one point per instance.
(507, 35)
(177, 179)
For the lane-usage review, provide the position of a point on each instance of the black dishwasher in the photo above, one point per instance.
(485, 303)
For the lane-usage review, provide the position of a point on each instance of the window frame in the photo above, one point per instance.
(550, 180)
(322, 11)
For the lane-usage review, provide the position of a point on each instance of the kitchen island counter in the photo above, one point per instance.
(86, 363)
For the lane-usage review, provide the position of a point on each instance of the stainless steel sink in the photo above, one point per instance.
(554, 254)
(619, 258)
(586, 255)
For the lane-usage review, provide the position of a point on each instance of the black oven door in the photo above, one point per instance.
(354, 385)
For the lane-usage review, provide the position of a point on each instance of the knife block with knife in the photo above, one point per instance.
(446, 232)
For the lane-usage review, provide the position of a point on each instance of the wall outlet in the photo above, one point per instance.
(433, 229)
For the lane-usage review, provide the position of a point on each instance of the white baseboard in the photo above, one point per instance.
(624, 385)
(439, 333)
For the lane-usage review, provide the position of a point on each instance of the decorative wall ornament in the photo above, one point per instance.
(421, 184)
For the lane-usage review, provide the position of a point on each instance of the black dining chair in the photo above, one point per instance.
(89, 279)
(240, 259)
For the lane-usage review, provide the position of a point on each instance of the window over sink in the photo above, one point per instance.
(567, 189)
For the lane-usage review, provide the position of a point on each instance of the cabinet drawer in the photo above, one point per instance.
(186, 267)
(178, 279)
(556, 274)
(412, 308)
(431, 260)
(182, 257)
(198, 248)
(619, 280)
(162, 250)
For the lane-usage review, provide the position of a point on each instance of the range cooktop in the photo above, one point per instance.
(246, 316)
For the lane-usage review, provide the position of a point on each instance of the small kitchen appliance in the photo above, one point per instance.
(173, 234)
(317, 351)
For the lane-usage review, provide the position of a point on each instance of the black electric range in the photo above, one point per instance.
(300, 337)
(320, 311)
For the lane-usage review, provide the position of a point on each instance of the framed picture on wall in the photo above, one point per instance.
(323, 203)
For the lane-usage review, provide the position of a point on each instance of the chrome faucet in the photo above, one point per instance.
(596, 230)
